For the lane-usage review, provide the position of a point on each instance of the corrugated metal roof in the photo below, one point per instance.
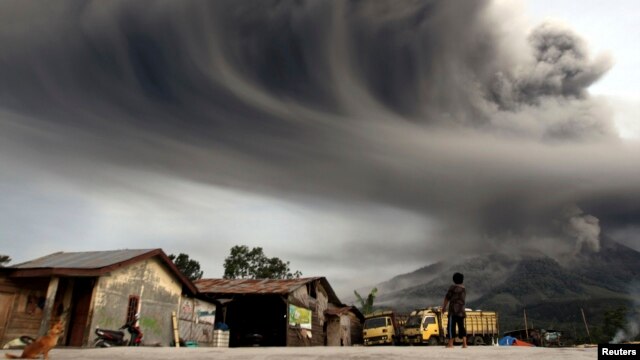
(338, 310)
(251, 286)
(82, 260)
(345, 309)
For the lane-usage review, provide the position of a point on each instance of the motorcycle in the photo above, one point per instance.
(109, 338)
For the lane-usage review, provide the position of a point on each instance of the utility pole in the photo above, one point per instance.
(585, 325)
(526, 327)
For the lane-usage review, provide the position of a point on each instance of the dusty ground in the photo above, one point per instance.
(324, 353)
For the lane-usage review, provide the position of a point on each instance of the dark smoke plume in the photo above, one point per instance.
(425, 106)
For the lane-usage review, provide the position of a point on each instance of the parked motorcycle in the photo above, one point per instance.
(109, 338)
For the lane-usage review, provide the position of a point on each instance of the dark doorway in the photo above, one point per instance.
(80, 304)
(257, 320)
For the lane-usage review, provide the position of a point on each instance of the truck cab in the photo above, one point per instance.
(380, 328)
(423, 326)
(427, 326)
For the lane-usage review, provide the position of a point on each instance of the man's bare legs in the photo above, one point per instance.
(464, 343)
(450, 344)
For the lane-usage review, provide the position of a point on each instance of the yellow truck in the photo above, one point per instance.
(381, 328)
(428, 326)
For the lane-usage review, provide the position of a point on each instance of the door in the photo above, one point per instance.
(6, 304)
(332, 330)
(81, 303)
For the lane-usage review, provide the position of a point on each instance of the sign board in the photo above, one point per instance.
(300, 316)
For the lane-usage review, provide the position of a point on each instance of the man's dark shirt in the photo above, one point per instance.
(456, 296)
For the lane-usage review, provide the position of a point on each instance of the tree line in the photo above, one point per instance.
(242, 263)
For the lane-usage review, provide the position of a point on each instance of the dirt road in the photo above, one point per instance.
(324, 353)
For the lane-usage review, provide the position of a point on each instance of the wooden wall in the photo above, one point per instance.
(25, 314)
(356, 329)
(298, 337)
(196, 320)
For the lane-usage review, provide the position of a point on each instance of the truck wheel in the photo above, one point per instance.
(478, 340)
(433, 341)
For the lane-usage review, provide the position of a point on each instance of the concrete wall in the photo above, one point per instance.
(159, 293)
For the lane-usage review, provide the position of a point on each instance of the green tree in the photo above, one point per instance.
(190, 268)
(245, 263)
(4, 259)
(366, 306)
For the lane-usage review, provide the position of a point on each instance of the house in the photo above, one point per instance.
(288, 312)
(97, 289)
(344, 326)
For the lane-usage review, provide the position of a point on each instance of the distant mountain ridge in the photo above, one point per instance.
(551, 291)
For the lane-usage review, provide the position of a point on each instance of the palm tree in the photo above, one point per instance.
(366, 306)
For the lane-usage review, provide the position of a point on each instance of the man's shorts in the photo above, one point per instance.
(456, 321)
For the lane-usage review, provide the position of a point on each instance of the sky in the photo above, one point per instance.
(356, 140)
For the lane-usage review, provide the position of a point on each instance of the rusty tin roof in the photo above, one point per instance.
(259, 286)
(82, 260)
(251, 286)
(345, 309)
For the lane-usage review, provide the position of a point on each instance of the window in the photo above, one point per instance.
(311, 288)
(34, 304)
(429, 320)
(374, 323)
(132, 309)
(413, 322)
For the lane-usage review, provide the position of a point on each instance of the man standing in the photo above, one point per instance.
(455, 298)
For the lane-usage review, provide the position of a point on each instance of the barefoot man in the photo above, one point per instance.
(455, 298)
